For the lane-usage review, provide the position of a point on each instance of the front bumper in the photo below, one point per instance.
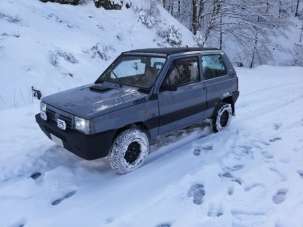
(88, 147)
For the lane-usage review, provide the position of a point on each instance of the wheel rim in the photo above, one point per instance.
(224, 118)
(133, 152)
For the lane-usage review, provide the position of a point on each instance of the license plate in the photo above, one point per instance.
(61, 124)
(56, 140)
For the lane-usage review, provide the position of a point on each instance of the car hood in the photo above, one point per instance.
(93, 100)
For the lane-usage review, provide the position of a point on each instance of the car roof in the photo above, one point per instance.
(169, 51)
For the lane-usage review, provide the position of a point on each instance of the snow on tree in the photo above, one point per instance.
(248, 24)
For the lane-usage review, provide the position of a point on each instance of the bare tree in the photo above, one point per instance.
(297, 8)
(195, 16)
(248, 23)
(301, 33)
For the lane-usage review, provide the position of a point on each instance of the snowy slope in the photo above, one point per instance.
(54, 47)
(249, 175)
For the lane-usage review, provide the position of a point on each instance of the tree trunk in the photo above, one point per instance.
(195, 17)
(221, 32)
(280, 8)
(267, 6)
(179, 8)
(297, 8)
(301, 35)
(255, 47)
(169, 6)
(221, 25)
(254, 51)
(201, 10)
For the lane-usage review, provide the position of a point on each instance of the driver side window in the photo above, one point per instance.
(185, 71)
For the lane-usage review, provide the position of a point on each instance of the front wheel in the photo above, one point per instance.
(129, 150)
(222, 117)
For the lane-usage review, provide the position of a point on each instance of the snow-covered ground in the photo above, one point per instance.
(249, 175)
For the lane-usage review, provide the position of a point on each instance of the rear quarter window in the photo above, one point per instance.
(213, 66)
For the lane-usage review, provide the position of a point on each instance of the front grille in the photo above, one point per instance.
(52, 116)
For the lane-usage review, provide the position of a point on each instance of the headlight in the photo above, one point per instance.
(42, 107)
(43, 114)
(82, 125)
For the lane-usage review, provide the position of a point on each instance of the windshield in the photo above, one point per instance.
(137, 71)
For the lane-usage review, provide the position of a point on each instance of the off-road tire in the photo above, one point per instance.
(123, 158)
(222, 117)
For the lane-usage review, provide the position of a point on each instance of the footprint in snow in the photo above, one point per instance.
(253, 186)
(66, 196)
(197, 192)
(13, 35)
(280, 196)
(9, 18)
(231, 177)
(215, 211)
(267, 155)
(20, 223)
(264, 143)
(277, 126)
(230, 191)
(208, 148)
(35, 175)
(164, 225)
(199, 149)
(275, 139)
(109, 220)
(300, 172)
(234, 168)
(100, 27)
(278, 173)
(244, 151)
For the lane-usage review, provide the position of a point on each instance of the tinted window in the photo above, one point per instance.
(184, 71)
(213, 66)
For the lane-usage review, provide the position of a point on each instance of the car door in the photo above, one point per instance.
(216, 79)
(182, 97)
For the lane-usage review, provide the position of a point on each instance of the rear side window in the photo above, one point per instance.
(184, 72)
(213, 66)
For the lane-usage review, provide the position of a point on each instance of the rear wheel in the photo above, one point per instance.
(222, 117)
(129, 150)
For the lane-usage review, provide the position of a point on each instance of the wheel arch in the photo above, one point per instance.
(230, 100)
(138, 125)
